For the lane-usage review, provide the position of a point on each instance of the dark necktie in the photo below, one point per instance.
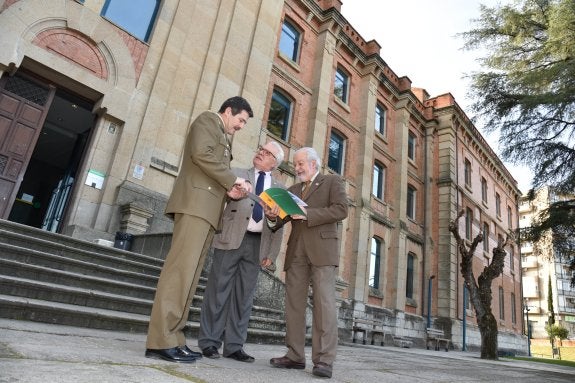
(305, 188)
(258, 213)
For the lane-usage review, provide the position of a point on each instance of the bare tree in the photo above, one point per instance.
(480, 290)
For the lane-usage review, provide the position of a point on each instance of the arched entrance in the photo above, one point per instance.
(43, 152)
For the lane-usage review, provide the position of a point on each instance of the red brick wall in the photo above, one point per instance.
(74, 47)
(8, 3)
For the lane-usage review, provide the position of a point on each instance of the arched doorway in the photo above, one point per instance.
(51, 151)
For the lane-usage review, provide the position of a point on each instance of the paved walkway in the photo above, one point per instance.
(37, 352)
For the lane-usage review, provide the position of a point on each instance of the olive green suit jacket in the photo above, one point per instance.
(205, 175)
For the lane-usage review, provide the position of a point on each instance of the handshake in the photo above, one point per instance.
(240, 189)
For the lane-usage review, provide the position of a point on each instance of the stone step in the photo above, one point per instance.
(64, 246)
(60, 262)
(53, 278)
(262, 317)
(67, 278)
(22, 308)
(51, 292)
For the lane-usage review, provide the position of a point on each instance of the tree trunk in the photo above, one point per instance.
(480, 289)
(488, 329)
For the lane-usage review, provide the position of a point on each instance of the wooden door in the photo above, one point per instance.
(24, 104)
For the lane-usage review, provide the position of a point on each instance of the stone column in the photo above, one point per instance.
(134, 218)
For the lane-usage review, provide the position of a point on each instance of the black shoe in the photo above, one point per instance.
(323, 370)
(285, 362)
(241, 356)
(186, 350)
(174, 354)
(211, 352)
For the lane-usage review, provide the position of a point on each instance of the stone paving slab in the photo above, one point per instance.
(33, 352)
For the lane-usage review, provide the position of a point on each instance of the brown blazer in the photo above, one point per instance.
(205, 175)
(317, 237)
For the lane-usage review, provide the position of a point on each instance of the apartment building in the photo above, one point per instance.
(99, 103)
(546, 274)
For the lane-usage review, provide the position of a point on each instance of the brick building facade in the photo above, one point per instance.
(410, 161)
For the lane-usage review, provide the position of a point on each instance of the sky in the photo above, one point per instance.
(418, 40)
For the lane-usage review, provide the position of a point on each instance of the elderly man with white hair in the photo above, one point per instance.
(244, 244)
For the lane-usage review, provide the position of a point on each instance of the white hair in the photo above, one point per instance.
(280, 153)
(311, 155)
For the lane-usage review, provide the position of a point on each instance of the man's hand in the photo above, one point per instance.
(244, 184)
(299, 216)
(240, 189)
(237, 192)
(266, 262)
(271, 212)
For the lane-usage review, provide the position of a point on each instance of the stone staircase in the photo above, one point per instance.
(52, 278)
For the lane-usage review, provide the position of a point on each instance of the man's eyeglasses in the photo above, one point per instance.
(265, 152)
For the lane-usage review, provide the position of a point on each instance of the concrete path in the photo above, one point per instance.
(37, 352)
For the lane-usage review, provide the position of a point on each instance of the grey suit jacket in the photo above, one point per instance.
(235, 221)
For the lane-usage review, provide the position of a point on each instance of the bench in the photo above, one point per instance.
(436, 337)
(373, 327)
(401, 341)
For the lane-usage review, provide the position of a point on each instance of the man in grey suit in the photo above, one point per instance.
(244, 244)
(312, 256)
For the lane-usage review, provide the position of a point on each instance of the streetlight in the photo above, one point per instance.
(430, 285)
(527, 309)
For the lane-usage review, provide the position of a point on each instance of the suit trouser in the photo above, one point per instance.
(324, 327)
(229, 295)
(178, 281)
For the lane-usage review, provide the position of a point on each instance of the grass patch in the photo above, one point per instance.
(566, 363)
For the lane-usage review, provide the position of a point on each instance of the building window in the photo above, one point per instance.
(341, 85)
(411, 195)
(380, 118)
(279, 118)
(511, 257)
(290, 41)
(513, 308)
(483, 189)
(336, 147)
(501, 304)
(468, 223)
(509, 218)
(485, 237)
(136, 19)
(378, 180)
(410, 276)
(467, 172)
(498, 204)
(374, 263)
(411, 141)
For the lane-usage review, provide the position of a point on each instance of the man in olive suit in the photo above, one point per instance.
(200, 191)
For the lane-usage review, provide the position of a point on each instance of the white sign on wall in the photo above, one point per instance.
(95, 179)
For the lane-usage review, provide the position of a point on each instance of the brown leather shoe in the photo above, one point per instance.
(322, 370)
(285, 362)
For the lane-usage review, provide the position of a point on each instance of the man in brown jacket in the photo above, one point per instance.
(312, 257)
(196, 205)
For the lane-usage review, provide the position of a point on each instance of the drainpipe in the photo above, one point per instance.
(425, 228)
(429, 289)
